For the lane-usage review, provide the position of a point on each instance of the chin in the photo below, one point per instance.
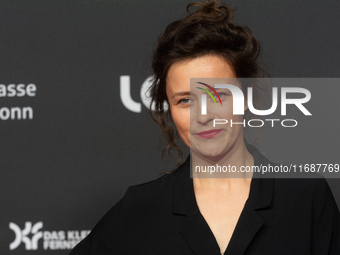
(211, 151)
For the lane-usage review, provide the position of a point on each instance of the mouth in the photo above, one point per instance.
(210, 133)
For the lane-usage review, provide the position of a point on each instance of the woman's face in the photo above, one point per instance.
(197, 130)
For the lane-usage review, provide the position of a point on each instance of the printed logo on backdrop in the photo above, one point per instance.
(17, 91)
(125, 94)
(51, 240)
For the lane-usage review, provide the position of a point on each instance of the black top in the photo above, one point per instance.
(281, 216)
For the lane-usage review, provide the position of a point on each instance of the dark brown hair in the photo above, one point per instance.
(209, 30)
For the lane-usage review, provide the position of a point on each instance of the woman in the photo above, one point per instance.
(176, 214)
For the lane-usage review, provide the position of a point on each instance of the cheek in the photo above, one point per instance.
(181, 119)
(226, 111)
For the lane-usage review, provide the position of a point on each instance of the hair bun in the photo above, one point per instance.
(213, 9)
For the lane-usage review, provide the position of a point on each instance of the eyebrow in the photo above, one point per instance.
(184, 93)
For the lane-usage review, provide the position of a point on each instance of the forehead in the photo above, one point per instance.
(179, 74)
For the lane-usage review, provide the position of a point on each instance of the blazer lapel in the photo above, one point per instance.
(197, 234)
(192, 226)
(250, 222)
(247, 227)
(260, 197)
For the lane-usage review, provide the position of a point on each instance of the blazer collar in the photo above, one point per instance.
(194, 228)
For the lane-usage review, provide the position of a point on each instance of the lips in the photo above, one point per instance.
(210, 133)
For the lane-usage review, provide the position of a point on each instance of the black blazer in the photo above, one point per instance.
(281, 216)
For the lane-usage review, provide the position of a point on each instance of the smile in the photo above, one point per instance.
(210, 133)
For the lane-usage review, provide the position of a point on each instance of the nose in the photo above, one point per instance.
(201, 116)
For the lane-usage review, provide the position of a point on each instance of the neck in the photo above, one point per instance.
(223, 170)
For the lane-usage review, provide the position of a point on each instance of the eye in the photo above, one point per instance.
(221, 95)
(184, 101)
